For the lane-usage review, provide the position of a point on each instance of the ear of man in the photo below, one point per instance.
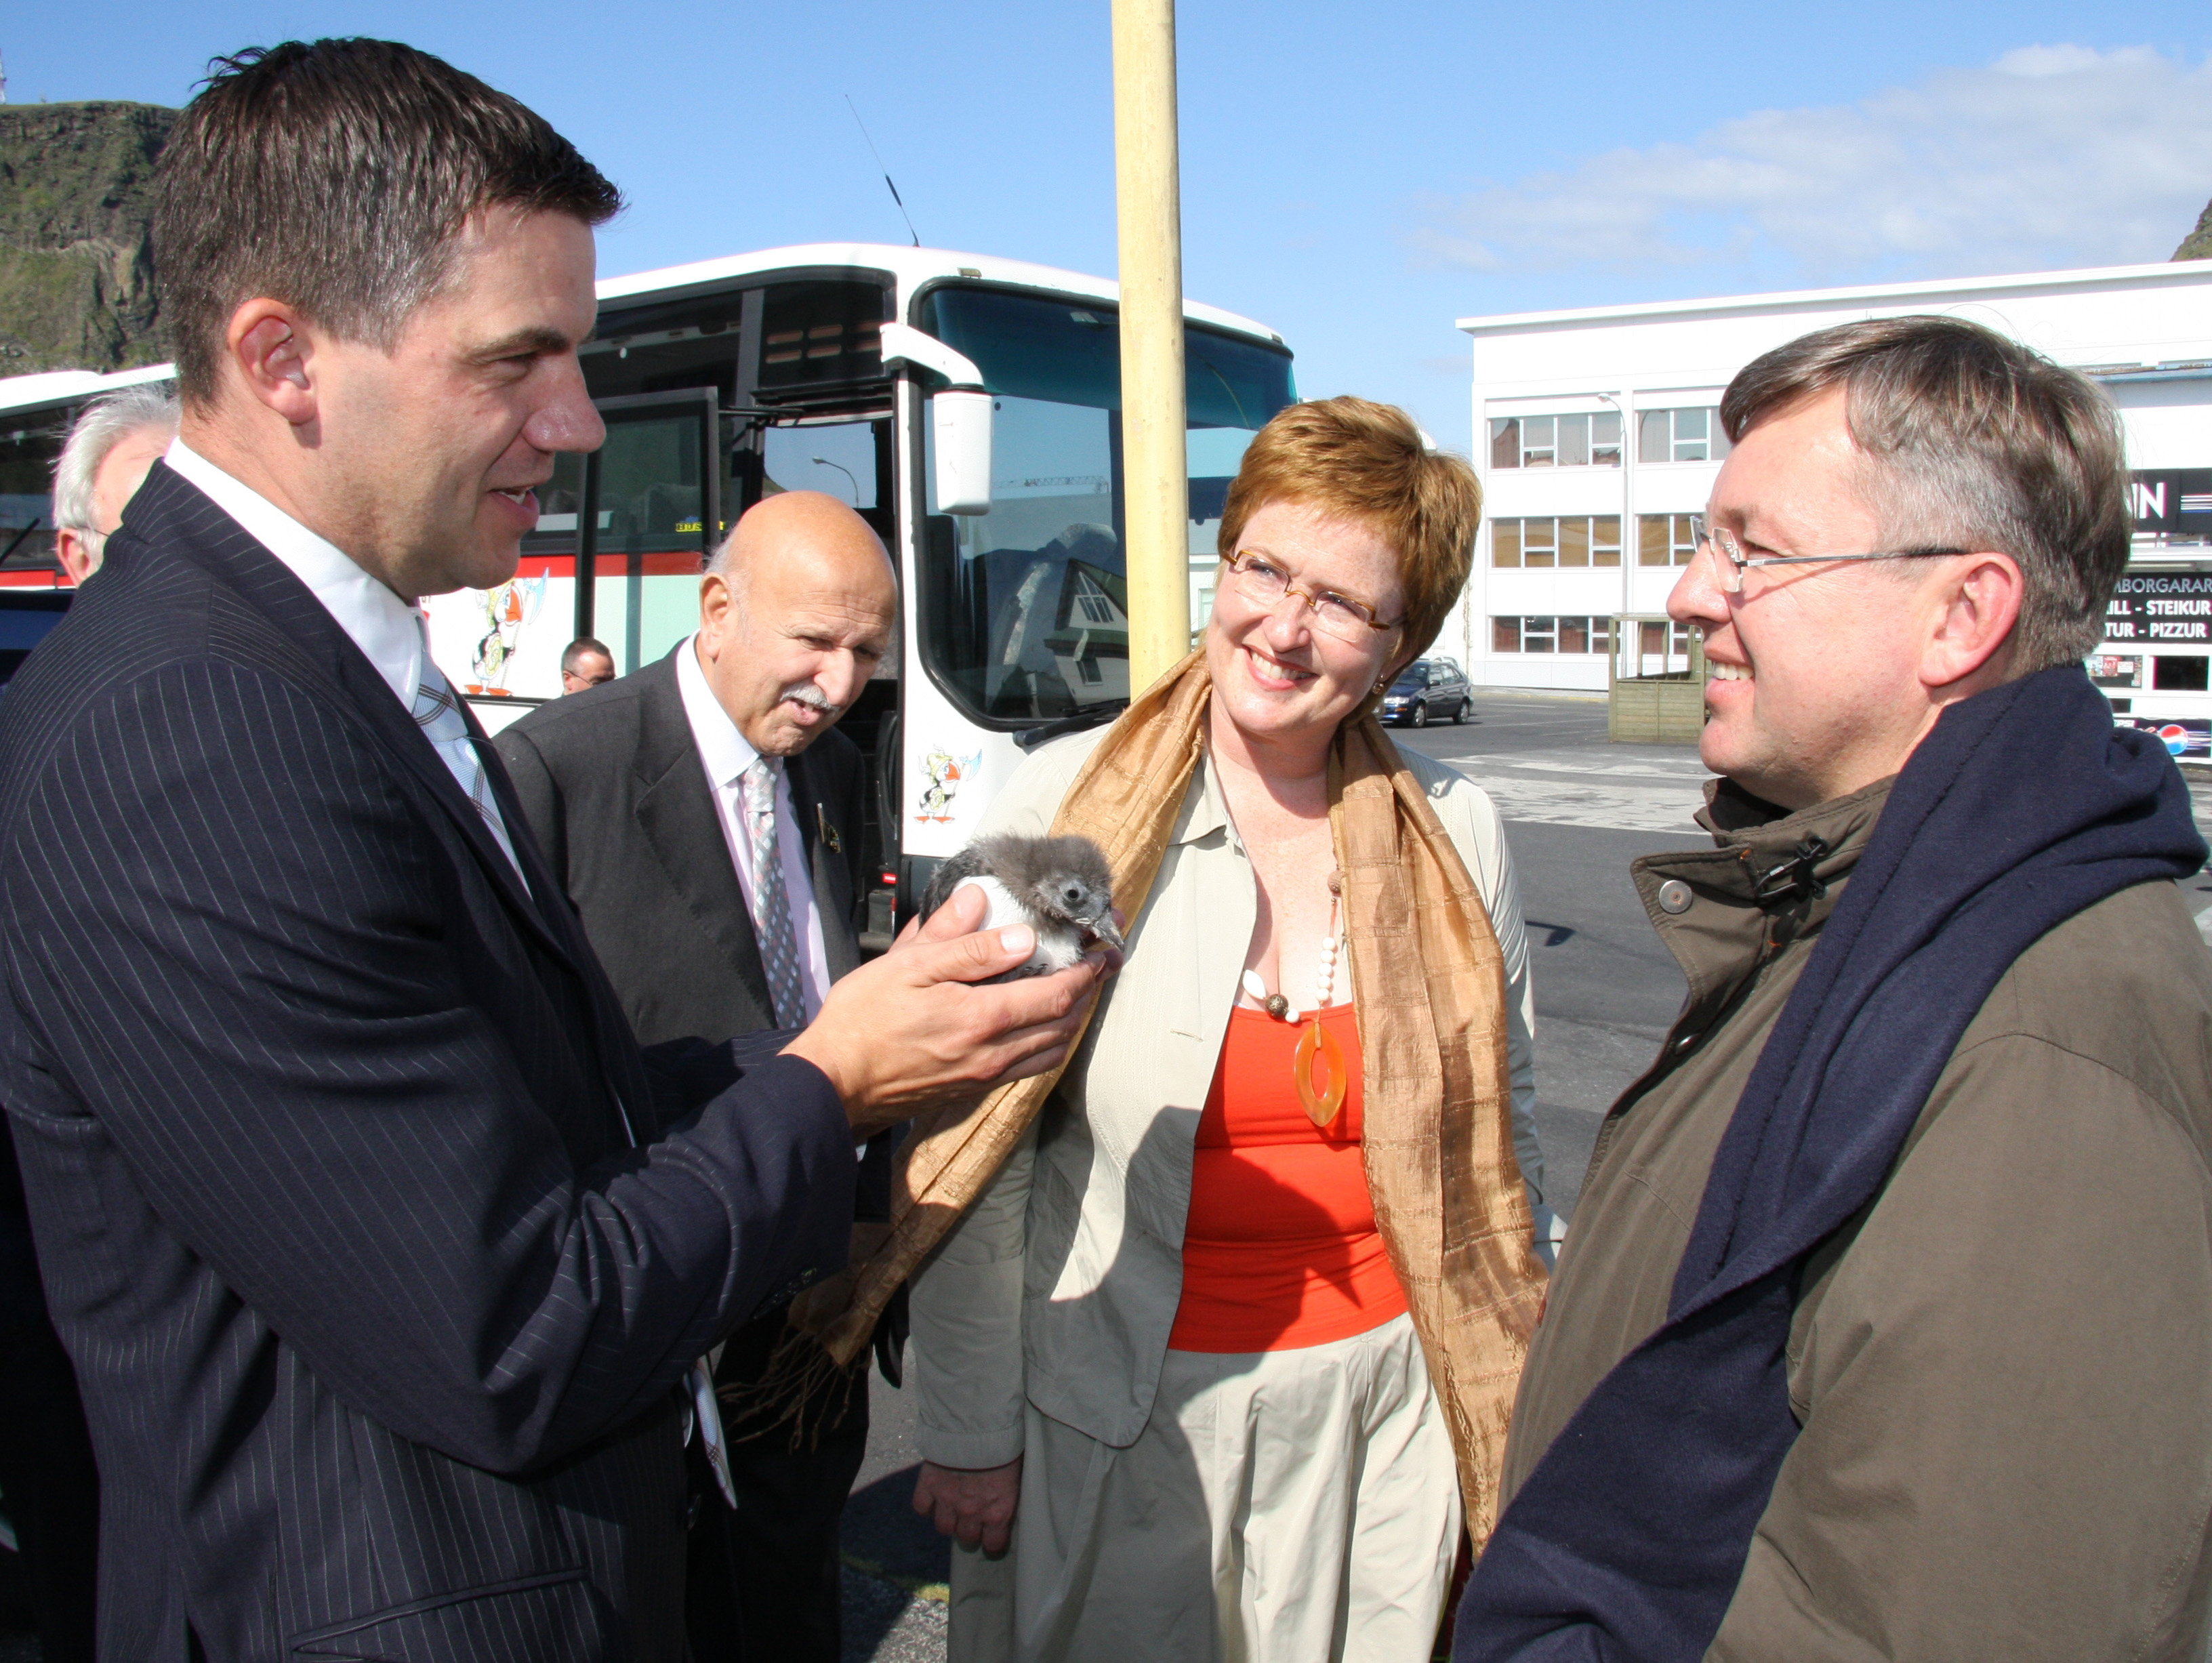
(270, 353)
(717, 600)
(75, 554)
(1972, 608)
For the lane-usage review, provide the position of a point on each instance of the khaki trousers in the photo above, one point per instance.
(1280, 1506)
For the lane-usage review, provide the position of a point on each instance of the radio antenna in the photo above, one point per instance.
(879, 155)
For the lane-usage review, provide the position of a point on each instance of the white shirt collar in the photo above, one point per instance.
(387, 629)
(723, 749)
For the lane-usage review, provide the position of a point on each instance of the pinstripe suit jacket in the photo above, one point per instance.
(320, 1114)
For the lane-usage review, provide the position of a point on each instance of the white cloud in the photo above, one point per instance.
(2052, 157)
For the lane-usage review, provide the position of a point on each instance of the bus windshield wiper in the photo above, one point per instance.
(1097, 715)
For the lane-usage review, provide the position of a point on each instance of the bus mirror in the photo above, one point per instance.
(960, 431)
(959, 421)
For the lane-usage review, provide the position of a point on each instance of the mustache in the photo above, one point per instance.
(806, 693)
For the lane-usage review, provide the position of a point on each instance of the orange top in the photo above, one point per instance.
(1280, 1249)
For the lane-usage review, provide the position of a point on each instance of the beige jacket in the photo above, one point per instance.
(1062, 1282)
(2003, 1367)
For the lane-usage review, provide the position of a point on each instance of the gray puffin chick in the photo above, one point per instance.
(1061, 887)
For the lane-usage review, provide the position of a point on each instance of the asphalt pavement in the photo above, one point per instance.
(895, 1564)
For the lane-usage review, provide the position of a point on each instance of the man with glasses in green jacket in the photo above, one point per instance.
(1884, 1326)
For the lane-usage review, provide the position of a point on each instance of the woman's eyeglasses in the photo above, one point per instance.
(1262, 582)
(1731, 561)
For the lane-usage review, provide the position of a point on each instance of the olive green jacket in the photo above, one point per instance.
(2003, 1368)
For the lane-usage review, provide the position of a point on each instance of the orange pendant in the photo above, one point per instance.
(1320, 1088)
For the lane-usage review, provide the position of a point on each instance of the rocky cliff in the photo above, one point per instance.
(2197, 245)
(77, 269)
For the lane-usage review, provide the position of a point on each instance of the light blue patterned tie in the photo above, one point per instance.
(438, 713)
(779, 946)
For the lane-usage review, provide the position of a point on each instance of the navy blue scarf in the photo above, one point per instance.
(2023, 807)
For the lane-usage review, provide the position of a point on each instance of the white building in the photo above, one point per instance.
(1597, 437)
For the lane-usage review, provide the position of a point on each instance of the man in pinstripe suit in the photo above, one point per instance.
(382, 1251)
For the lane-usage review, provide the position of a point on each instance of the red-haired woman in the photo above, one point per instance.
(1224, 1354)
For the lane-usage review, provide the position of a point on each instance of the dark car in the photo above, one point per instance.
(1428, 690)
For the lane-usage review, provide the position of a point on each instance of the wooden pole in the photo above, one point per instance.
(1155, 464)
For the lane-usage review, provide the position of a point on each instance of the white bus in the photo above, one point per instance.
(968, 407)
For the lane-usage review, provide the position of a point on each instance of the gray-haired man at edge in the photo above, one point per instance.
(383, 1252)
(1884, 1327)
(113, 441)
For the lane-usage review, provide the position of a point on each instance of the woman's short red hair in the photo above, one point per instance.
(1360, 460)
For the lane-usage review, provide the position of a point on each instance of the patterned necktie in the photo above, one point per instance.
(438, 713)
(779, 946)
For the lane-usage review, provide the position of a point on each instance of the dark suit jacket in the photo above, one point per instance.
(321, 1119)
(612, 785)
(614, 791)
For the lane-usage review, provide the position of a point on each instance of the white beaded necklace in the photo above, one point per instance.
(1277, 1004)
(1280, 1008)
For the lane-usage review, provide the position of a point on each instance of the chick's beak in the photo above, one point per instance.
(1104, 929)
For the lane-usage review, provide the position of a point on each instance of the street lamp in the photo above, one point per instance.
(824, 462)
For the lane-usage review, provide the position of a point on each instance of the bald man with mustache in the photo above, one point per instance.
(705, 817)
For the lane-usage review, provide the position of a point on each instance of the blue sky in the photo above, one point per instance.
(1358, 176)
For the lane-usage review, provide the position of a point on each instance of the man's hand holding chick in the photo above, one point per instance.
(913, 1031)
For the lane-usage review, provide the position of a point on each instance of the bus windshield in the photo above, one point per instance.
(1025, 610)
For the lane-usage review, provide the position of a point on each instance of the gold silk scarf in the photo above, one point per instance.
(1428, 986)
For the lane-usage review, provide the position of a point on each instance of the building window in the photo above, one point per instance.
(1552, 634)
(2178, 672)
(1683, 435)
(1582, 540)
(1556, 441)
(1664, 540)
(1658, 639)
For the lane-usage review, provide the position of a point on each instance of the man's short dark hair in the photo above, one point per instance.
(581, 648)
(335, 176)
(1974, 441)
